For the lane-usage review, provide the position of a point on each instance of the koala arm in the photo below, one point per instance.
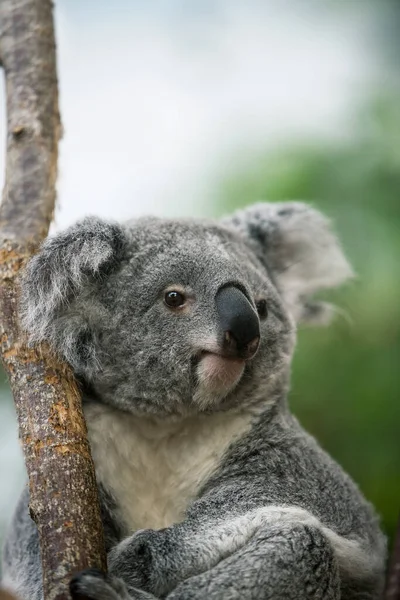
(284, 562)
(270, 550)
(279, 556)
(292, 562)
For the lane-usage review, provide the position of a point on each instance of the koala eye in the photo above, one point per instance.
(174, 299)
(262, 309)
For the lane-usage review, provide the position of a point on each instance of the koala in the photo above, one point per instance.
(181, 334)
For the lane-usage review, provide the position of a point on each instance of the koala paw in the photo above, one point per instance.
(139, 559)
(93, 584)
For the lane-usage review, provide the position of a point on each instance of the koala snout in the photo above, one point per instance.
(239, 323)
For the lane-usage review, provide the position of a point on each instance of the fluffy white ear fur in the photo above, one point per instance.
(299, 249)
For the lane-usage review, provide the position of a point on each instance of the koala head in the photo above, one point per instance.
(173, 317)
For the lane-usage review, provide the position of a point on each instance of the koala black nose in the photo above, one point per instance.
(239, 322)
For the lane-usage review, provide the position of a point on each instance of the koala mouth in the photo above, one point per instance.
(218, 373)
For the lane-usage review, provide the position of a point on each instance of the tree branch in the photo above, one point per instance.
(63, 493)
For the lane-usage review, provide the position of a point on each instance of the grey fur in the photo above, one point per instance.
(270, 515)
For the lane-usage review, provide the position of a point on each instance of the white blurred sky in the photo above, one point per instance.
(157, 97)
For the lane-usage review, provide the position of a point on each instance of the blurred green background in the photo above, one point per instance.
(346, 381)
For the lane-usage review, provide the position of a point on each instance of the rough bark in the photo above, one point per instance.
(63, 493)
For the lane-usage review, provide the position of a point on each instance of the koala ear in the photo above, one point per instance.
(67, 265)
(296, 244)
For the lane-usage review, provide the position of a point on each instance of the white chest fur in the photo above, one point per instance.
(155, 468)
